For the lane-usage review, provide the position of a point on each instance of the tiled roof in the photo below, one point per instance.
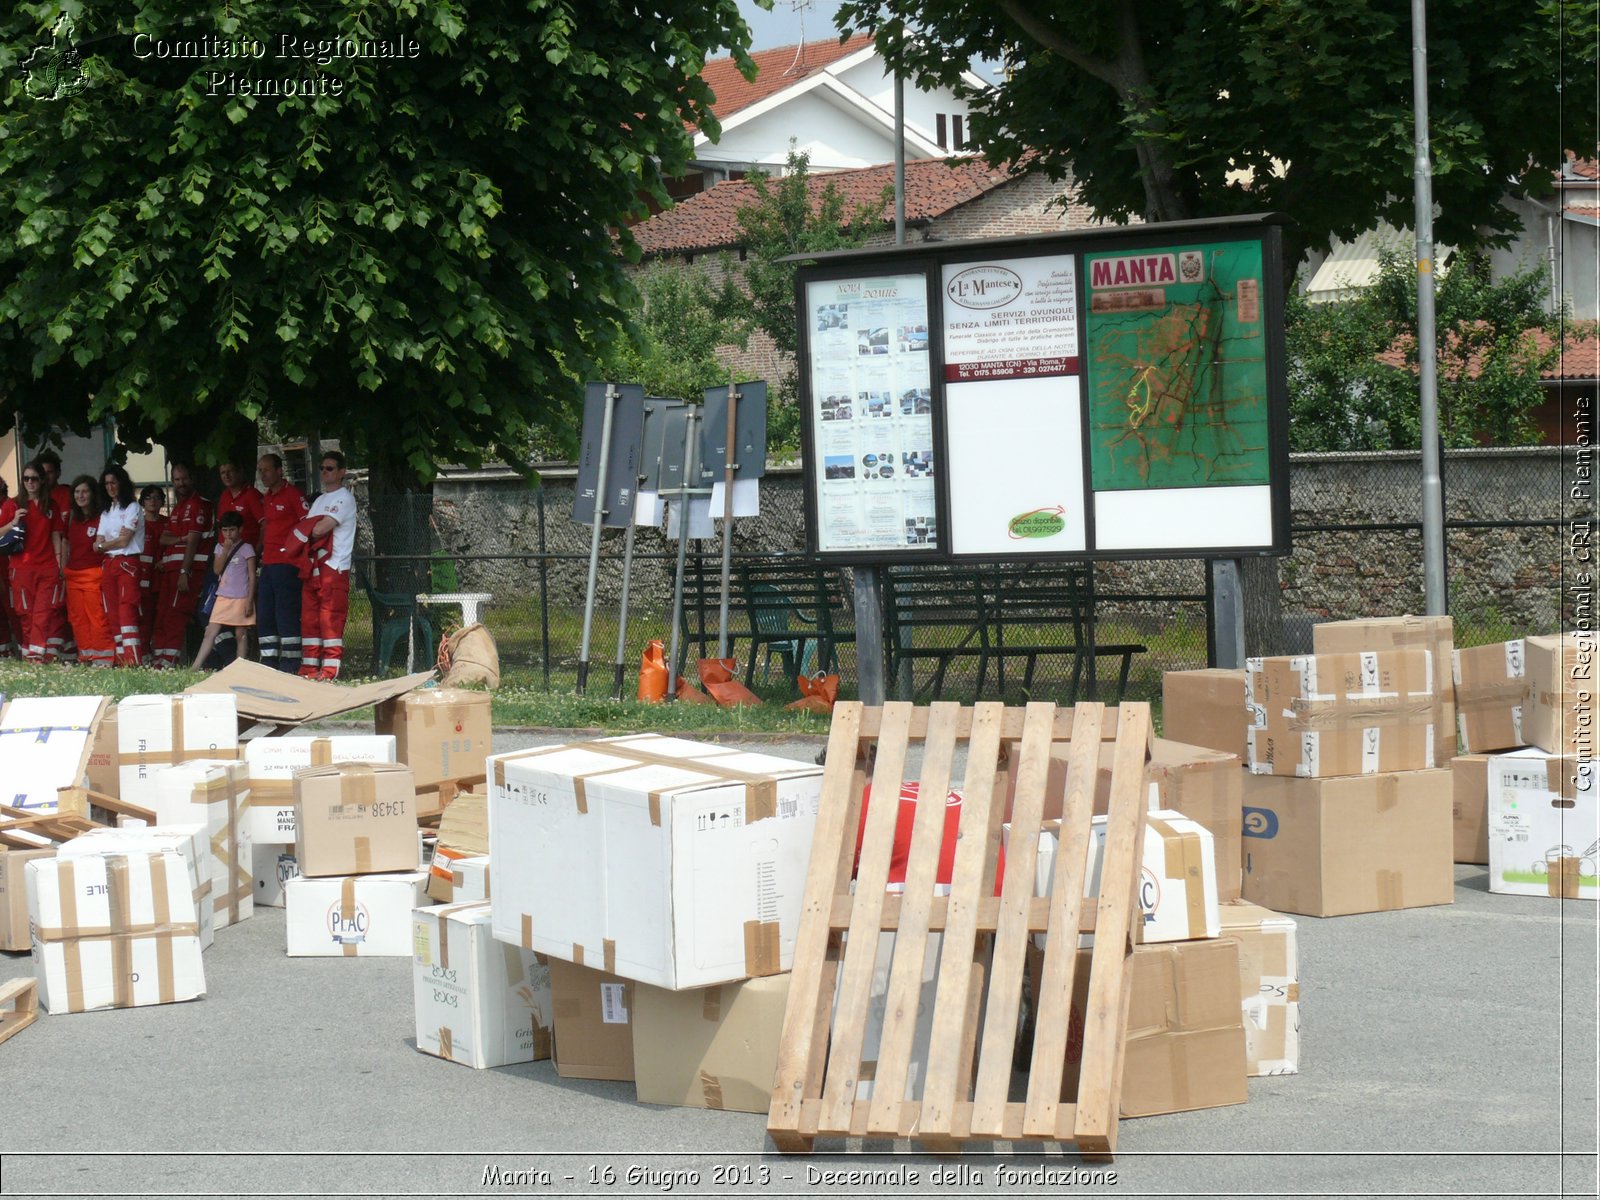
(1580, 353)
(709, 220)
(1585, 210)
(776, 69)
(1583, 168)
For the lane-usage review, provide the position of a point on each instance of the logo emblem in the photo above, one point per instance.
(55, 71)
(984, 287)
(1037, 523)
(1260, 823)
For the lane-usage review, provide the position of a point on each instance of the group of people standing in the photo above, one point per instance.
(105, 576)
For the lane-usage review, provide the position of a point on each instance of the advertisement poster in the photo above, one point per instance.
(1013, 408)
(872, 432)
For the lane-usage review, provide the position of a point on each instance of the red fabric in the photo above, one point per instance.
(149, 583)
(38, 546)
(324, 606)
(188, 516)
(10, 627)
(61, 498)
(281, 510)
(81, 555)
(121, 591)
(899, 856)
(174, 610)
(248, 505)
(304, 550)
(39, 597)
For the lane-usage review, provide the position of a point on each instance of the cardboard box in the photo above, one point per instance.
(45, 745)
(1177, 881)
(1492, 688)
(267, 696)
(877, 1010)
(359, 916)
(1185, 1046)
(104, 775)
(271, 868)
(1363, 843)
(272, 762)
(162, 731)
(1269, 986)
(1559, 716)
(1205, 708)
(1319, 716)
(440, 733)
(99, 895)
(594, 1030)
(1469, 807)
(713, 1047)
(463, 833)
(14, 896)
(469, 878)
(1544, 826)
(661, 860)
(188, 841)
(479, 1001)
(120, 971)
(217, 795)
(1436, 635)
(355, 819)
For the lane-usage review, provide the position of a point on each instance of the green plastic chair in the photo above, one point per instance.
(394, 620)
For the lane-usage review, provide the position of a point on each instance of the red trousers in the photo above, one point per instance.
(88, 616)
(149, 592)
(174, 610)
(39, 597)
(324, 605)
(119, 589)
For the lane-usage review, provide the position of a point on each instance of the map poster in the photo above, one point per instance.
(1177, 367)
(871, 414)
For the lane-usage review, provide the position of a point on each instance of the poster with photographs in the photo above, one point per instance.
(872, 414)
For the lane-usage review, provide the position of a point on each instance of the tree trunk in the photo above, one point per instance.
(400, 511)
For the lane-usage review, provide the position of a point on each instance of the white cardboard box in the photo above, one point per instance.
(216, 793)
(358, 916)
(44, 745)
(85, 974)
(1544, 826)
(272, 867)
(470, 878)
(1269, 986)
(272, 762)
(479, 1001)
(186, 840)
(657, 859)
(162, 731)
(878, 1003)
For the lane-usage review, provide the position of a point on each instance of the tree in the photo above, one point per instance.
(1170, 109)
(794, 216)
(1353, 363)
(674, 332)
(392, 223)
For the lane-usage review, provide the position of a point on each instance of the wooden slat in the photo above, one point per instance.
(1011, 723)
(22, 995)
(861, 944)
(950, 1027)
(1106, 1012)
(1066, 907)
(912, 1113)
(911, 940)
(806, 1001)
(939, 910)
(1011, 935)
(77, 801)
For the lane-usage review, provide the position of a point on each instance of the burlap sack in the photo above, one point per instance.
(474, 658)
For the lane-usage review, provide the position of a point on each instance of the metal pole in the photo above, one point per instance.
(691, 419)
(899, 161)
(622, 620)
(1433, 581)
(869, 633)
(544, 595)
(727, 524)
(594, 538)
(1227, 614)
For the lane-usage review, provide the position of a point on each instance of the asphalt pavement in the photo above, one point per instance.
(1447, 1051)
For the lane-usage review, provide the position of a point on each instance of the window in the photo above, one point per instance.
(959, 141)
(940, 135)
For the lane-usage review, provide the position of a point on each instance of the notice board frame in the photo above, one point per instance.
(930, 260)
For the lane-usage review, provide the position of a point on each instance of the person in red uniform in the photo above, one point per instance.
(240, 496)
(10, 628)
(279, 588)
(327, 592)
(61, 501)
(123, 534)
(86, 610)
(151, 500)
(185, 550)
(38, 574)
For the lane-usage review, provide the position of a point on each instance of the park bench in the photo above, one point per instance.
(791, 607)
(945, 606)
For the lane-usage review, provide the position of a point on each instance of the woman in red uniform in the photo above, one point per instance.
(10, 627)
(86, 609)
(39, 574)
(122, 540)
(150, 502)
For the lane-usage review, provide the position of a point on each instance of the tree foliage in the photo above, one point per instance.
(418, 259)
(1349, 390)
(673, 334)
(1163, 109)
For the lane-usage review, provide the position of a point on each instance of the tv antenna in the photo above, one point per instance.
(799, 8)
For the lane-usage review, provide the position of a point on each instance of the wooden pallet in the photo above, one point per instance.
(22, 996)
(967, 1081)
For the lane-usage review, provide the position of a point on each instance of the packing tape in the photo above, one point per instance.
(577, 954)
(1475, 695)
(710, 1090)
(1391, 890)
(608, 956)
(761, 948)
(446, 1043)
(166, 973)
(122, 972)
(527, 932)
(1291, 992)
(444, 941)
(655, 809)
(161, 903)
(580, 793)
(271, 793)
(67, 894)
(486, 885)
(1564, 878)
(711, 1004)
(72, 962)
(358, 784)
(868, 1072)
(1386, 791)
(321, 752)
(347, 911)
(363, 855)
(119, 891)
(1366, 712)
(516, 964)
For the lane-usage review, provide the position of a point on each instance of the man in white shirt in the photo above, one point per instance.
(326, 601)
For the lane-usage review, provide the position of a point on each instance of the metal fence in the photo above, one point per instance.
(1357, 552)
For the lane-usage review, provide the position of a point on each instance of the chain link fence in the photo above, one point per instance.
(1357, 552)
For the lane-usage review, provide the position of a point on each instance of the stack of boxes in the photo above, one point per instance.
(216, 794)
